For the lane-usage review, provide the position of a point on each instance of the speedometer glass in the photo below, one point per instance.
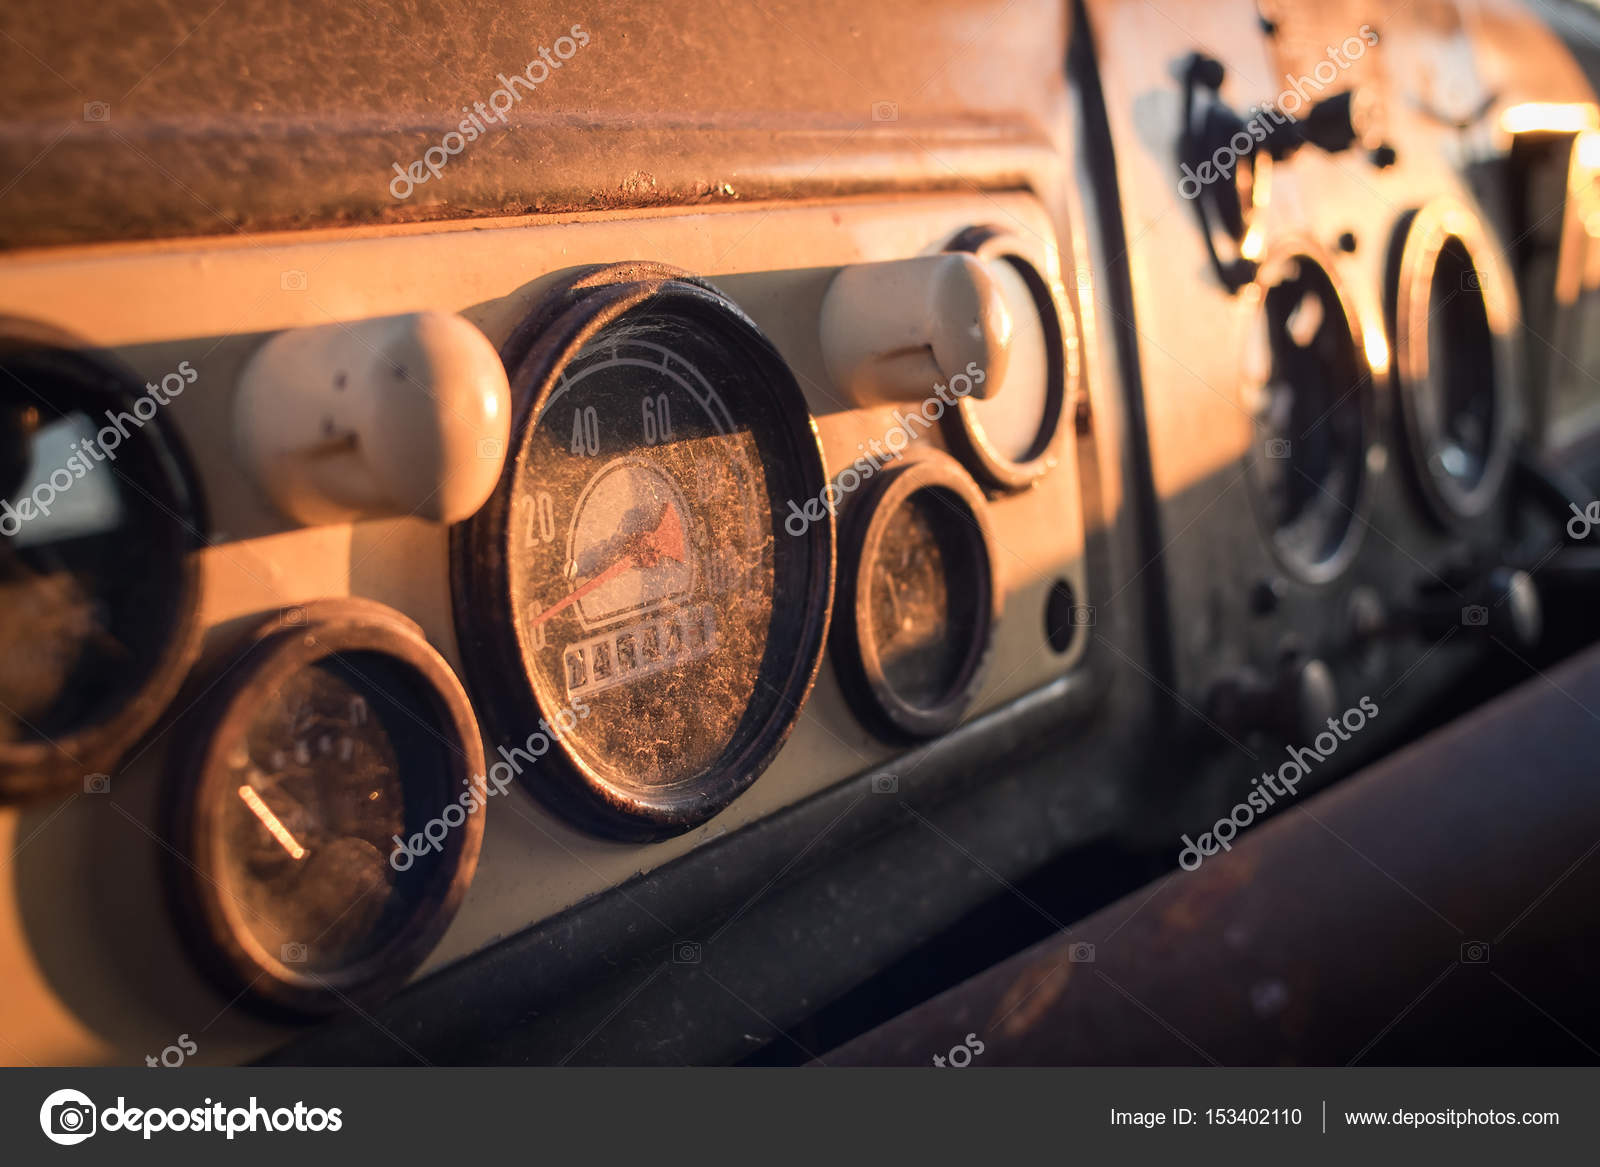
(655, 624)
(642, 581)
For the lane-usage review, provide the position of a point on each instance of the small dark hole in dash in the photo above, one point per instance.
(1061, 622)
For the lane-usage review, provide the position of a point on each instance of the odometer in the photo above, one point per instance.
(630, 592)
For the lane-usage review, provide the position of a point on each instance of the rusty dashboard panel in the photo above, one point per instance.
(285, 117)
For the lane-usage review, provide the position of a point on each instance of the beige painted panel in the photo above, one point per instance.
(92, 968)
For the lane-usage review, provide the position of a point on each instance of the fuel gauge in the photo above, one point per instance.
(918, 600)
(332, 818)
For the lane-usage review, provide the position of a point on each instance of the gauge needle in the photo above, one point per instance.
(644, 550)
(274, 826)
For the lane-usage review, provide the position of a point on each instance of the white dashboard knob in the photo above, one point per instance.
(893, 331)
(393, 416)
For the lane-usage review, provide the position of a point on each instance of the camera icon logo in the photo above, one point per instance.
(293, 280)
(885, 784)
(97, 784)
(1472, 281)
(294, 616)
(96, 111)
(293, 953)
(885, 111)
(1475, 952)
(491, 449)
(1081, 953)
(1277, 448)
(686, 952)
(1081, 616)
(67, 1117)
(1475, 616)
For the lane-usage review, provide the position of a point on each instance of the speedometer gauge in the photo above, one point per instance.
(639, 621)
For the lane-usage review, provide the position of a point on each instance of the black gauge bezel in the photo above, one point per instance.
(1367, 391)
(62, 765)
(880, 706)
(962, 426)
(1230, 212)
(574, 309)
(1419, 241)
(222, 945)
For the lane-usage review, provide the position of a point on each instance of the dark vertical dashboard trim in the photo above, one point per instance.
(1084, 77)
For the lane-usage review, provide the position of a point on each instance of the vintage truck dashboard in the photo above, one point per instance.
(677, 535)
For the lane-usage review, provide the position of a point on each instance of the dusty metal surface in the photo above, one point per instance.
(187, 117)
(1453, 880)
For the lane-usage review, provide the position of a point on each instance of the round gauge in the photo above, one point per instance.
(330, 818)
(99, 515)
(918, 598)
(650, 582)
(1308, 385)
(1452, 317)
(1009, 440)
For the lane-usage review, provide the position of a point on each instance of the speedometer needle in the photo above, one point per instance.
(644, 550)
